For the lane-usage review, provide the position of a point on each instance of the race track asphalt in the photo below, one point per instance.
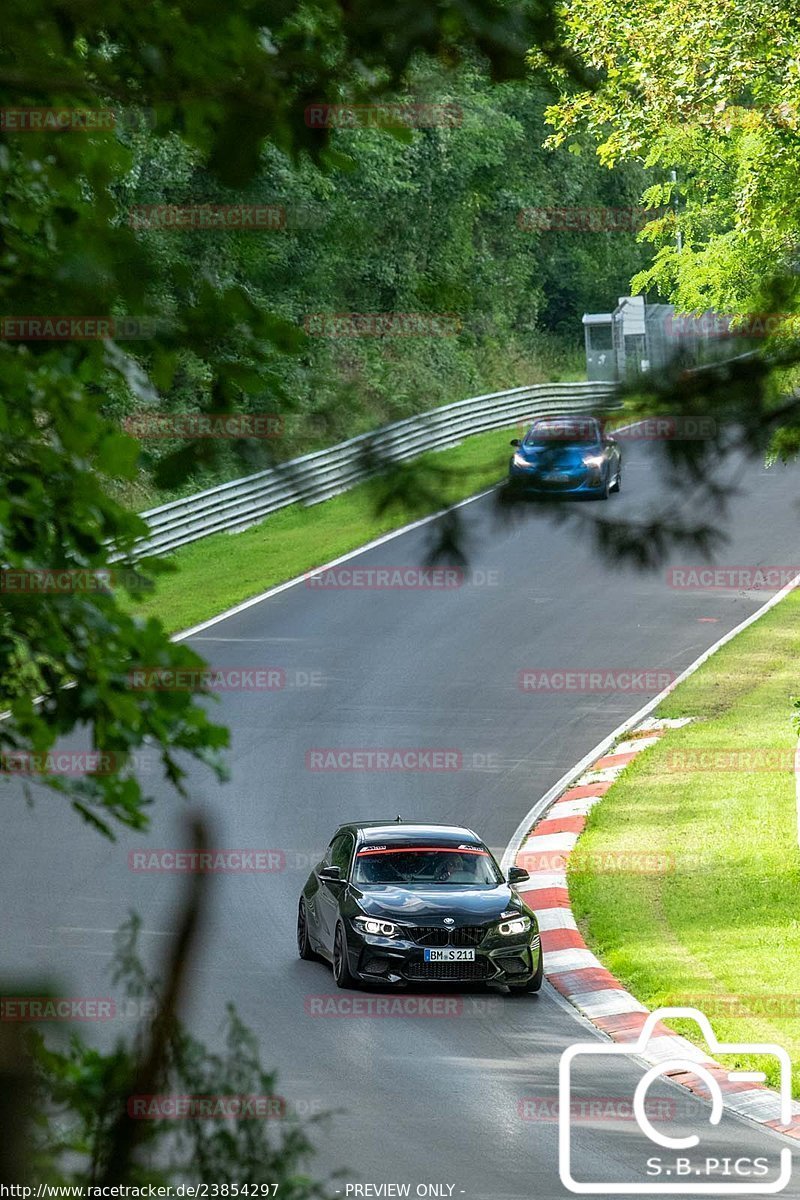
(419, 1100)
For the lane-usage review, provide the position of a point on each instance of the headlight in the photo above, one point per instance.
(521, 461)
(371, 925)
(518, 925)
(593, 460)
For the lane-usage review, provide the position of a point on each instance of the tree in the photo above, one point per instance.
(711, 92)
(80, 1092)
(220, 82)
(706, 98)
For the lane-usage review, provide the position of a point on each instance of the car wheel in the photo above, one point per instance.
(341, 967)
(534, 984)
(617, 484)
(303, 941)
(604, 489)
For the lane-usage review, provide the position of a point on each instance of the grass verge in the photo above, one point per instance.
(220, 571)
(719, 930)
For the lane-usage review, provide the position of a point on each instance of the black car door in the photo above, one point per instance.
(338, 854)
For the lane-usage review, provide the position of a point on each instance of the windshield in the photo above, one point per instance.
(427, 865)
(572, 433)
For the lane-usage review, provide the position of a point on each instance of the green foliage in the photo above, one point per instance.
(427, 224)
(208, 107)
(712, 92)
(73, 650)
(80, 1092)
(188, 96)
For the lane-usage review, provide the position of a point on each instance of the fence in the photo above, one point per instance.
(234, 506)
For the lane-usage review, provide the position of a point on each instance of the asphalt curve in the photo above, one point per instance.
(462, 1100)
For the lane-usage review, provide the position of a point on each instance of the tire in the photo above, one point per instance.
(341, 967)
(617, 484)
(534, 984)
(304, 948)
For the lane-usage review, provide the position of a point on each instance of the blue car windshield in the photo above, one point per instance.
(427, 866)
(571, 433)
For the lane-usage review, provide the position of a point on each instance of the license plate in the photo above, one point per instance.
(556, 477)
(449, 954)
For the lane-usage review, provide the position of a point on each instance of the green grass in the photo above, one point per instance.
(725, 922)
(223, 570)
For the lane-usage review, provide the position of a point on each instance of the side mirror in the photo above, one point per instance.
(515, 442)
(517, 875)
(331, 874)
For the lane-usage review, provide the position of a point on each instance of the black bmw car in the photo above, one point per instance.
(402, 903)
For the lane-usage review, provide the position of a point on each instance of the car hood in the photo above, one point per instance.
(431, 905)
(558, 455)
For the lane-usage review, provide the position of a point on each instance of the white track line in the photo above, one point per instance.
(290, 583)
(380, 541)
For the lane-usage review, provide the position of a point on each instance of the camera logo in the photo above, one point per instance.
(709, 1175)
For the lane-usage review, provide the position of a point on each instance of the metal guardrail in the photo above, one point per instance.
(234, 506)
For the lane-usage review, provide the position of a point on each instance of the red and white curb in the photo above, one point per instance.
(576, 972)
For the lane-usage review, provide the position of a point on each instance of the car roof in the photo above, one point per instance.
(403, 832)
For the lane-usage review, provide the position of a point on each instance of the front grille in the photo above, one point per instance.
(433, 935)
(448, 972)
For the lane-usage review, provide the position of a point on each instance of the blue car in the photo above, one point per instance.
(566, 456)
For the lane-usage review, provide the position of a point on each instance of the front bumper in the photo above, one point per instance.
(400, 961)
(583, 481)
